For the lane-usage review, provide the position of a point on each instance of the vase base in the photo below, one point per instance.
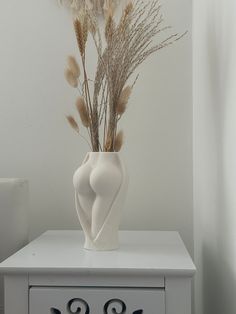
(101, 249)
(91, 246)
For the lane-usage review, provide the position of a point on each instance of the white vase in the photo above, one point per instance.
(100, 188)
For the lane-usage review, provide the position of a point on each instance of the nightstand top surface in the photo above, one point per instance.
(157, 252)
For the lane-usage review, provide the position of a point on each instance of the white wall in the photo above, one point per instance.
(215, 155)
(36, 142)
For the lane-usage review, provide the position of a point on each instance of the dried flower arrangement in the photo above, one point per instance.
(97, 6)
(121, 46)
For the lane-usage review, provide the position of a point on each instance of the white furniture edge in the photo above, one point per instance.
(20, 265)
(177, 283)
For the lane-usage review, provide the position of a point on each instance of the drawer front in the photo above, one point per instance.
(96, 300)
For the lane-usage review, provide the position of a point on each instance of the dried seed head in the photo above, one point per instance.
(71, 79)
(92, 27)
(73, 123)
(81, 107)
(109, 28)
(129, 8)
(85, 29)
(124, 21)
(119, 141)
(123, 100)
(84, 22)
(73, 66)
(79, 35)
(94, 6)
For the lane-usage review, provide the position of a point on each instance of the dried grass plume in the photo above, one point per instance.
(73, 66)
(73, 123)
(71, 79)
(119, 141)
(123, 100)
(81, 107)
(79, 35)
(122, 43)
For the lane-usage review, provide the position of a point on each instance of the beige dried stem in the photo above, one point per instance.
(75, 127)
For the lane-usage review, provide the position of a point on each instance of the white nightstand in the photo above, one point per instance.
(151, 274)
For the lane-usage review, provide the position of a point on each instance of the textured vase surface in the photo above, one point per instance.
(101, 184)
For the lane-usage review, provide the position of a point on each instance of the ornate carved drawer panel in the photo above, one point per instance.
(63, 300)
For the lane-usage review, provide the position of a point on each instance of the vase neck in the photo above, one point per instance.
(112, 157)
(94, 157)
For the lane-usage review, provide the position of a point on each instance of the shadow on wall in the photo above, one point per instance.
(219, 283)
(218, 247)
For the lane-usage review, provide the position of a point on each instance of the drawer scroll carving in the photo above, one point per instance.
(74, 306)
(54, 311)
(115, 306)
(79, 306)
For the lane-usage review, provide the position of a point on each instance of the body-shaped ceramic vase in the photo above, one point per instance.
(101, 184)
